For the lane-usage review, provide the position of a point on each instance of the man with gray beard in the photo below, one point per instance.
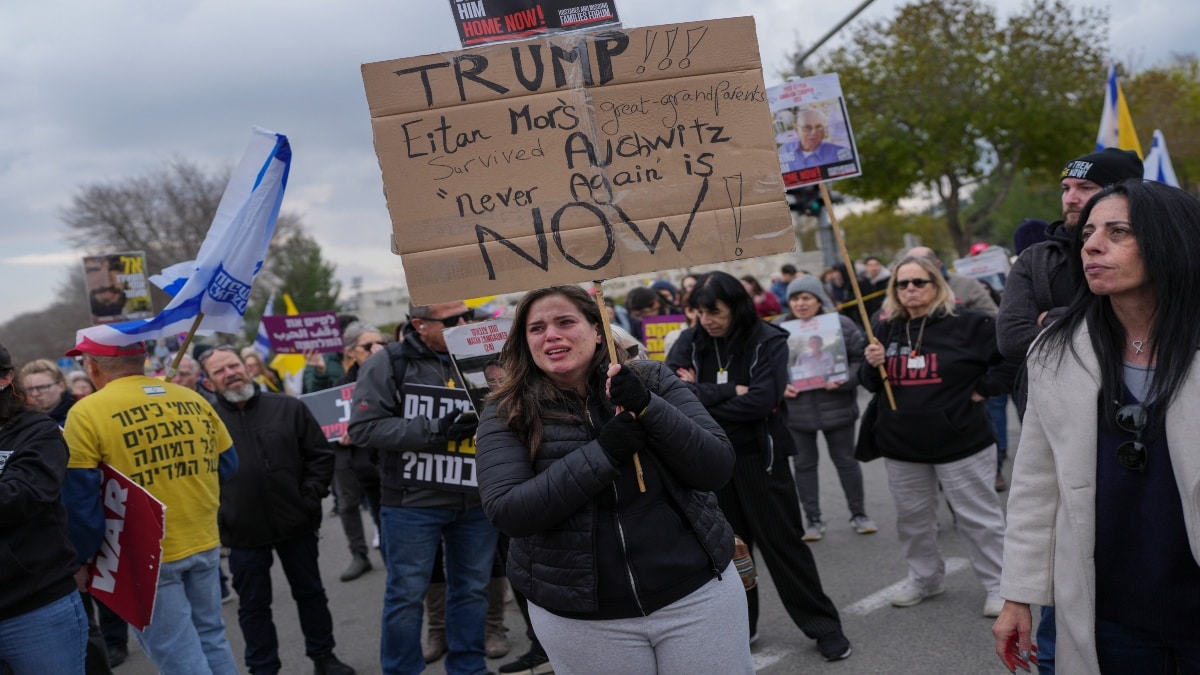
(272, 506)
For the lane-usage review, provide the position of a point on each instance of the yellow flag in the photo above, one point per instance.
(290, 364)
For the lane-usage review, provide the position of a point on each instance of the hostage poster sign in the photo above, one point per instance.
(452, 468)
(482, 21)
(116, 287)
(812, 131)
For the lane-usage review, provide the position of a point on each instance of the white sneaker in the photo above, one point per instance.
(992, 606)
(815, 531)
(911, 594)
(863, 524)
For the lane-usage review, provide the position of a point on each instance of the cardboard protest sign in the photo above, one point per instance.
(655, 330)
(331, 407)
(475, 351)
(482, 21)
(449, 469)
(299, 333)
(577, 157)
(124, 575)
(812, 131)
(816, 352)
(116, 287)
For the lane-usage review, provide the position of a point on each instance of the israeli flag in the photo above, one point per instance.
(262, 344)
(1158, 162)
(1116, 124)
(217, 283)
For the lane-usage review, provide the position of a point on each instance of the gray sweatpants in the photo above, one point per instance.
(705, 632)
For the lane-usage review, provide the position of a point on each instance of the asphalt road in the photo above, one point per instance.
(946, 634)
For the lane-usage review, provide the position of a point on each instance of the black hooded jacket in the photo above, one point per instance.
(37, 562)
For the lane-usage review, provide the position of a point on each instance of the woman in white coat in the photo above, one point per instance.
(1104, 513)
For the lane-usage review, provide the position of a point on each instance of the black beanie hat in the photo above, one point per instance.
(1105, 167)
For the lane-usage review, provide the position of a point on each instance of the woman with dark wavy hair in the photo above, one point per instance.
(603, 474)
(737, 364)
(1104, 513)
(43, 628)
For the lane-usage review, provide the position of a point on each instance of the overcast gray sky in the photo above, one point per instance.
(99, 91)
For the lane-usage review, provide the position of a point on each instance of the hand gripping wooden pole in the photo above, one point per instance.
(612, 357)
(862, 309)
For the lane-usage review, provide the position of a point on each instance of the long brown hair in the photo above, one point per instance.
(527, 395)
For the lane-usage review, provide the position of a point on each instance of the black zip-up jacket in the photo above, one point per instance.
(935, 420)
(377, 421)
(1038, 282)
(756, 422)
(585, 542)
(284, 468)
(37, 562)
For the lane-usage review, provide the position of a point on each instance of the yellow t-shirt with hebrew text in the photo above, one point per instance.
(167, 439)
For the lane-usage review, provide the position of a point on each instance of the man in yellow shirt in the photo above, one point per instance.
(169, 440)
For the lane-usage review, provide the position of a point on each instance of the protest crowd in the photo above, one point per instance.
(618, 468)
(621, 493)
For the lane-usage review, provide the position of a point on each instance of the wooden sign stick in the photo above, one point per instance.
(612, 357)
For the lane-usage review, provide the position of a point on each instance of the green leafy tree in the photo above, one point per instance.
(296, 267)
(1168, 98)
(880, 232)
(944, 96)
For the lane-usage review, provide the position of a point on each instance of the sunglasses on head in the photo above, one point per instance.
(1132, 454)
(919, 283)
(219, 348)
(368, 346)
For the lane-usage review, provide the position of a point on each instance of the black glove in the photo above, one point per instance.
(622, 437)
(628, 391)
(458, 426)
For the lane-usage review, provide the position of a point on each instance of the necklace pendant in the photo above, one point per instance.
(1137, 346)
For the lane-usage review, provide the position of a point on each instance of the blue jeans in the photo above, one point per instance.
(997, 407)
(1128, 649)
(251, 569)
(1045, 641)
(411, 537)
(49, 639)
(187, 632)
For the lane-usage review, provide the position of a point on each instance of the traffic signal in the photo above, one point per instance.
(806, 200)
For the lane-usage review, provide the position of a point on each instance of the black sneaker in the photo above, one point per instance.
(834, 646)
(531, 663)
(329, 664)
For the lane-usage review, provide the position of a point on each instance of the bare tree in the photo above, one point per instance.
(166, 213)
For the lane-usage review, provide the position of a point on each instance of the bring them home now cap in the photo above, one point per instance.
(89, 346)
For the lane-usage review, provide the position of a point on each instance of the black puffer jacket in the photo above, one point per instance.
(284, 468)
(37, 563)
(563, 509)
(818, 409)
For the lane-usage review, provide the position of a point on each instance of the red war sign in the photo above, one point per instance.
(124, 575)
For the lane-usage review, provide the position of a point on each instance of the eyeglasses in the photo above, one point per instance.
(453, 320)
(809, 128)
(919, 283)
(368, 346)
(1132, 454)
(42, 388)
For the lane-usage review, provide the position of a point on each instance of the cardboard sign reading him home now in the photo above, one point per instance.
(578, 156)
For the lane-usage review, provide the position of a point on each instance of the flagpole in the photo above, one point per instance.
(174, 367)
(862, 309)
(612, 357)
